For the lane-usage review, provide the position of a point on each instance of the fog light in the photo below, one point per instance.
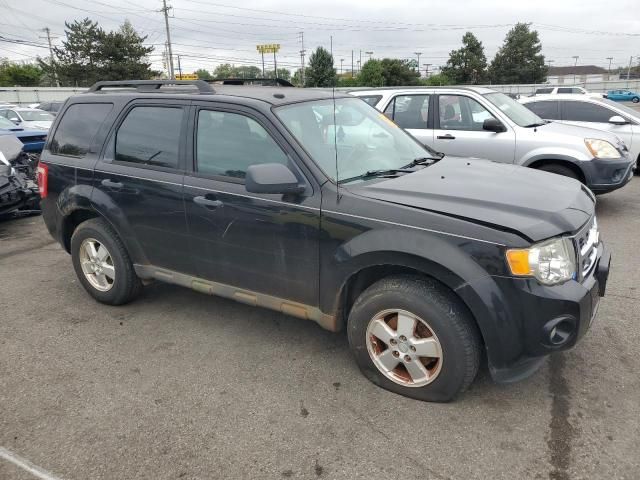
(558, 331)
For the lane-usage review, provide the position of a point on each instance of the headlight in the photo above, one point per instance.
(601, 148)
(550, 262)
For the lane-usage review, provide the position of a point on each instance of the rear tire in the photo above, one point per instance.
(102, 263)
(439, 357)
(635, 99)
(559, 170)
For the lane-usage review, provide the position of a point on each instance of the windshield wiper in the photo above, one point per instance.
(375, 173)
(423, 161)
(539, 124)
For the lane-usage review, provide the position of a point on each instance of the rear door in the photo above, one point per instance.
(264, 243)
(138, 181)
(412, 113)
(458, 130)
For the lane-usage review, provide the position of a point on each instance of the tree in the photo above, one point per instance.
(203, 74)
(89, 54)
(320, 72)
(398, 72)
(372, 74)
(519, 59)
(469, 63)
(20, 74)
(437, 79)
(224, 70)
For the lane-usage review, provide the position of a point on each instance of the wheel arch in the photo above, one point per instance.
(571, 165)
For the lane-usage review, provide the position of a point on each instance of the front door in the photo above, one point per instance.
(138, 182)
(263, 243)
(458, 130)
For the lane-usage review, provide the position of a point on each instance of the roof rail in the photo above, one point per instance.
(276, 82)
(151, 85)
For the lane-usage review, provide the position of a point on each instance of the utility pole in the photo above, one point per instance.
(53, 67)
(426, 69)
(341, 62)
(351, 63)
(179, 67)
(302, 52)
(629, 70)
(275, 65)
(262, 53)
(360, 62)
(165, 10)
(370, 54)
(575, 65)
(609, 74)
(418, 64)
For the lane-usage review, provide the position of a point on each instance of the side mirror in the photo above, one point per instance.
(272, 178)
(493, 125)
(14, 119)
(5, 170)
(617, 120)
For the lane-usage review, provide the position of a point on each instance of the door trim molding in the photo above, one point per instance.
(288, 307)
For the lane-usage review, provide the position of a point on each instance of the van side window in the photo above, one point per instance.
(150, 136)
(228, 144)
(78, 127)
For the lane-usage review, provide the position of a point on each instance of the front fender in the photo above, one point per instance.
(553, 153)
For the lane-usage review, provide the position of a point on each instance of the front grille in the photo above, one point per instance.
(586, 243)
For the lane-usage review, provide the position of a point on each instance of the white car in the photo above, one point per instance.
(590, 112)
(573, 90)
(28, 117)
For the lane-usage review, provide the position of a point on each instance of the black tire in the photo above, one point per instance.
(635, 99)
(559, 170)
(448, 319)
(126, 284)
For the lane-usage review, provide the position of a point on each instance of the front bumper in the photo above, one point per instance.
(607, 175)
(549, 319)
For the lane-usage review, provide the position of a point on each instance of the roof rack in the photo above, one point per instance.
(276, 82)
(151, 85)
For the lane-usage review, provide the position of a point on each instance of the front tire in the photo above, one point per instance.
(559, 170)
(412, 336)
(102, 263)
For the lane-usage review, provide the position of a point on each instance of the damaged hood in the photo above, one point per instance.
(534, 204)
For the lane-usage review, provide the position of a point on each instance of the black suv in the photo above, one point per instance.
(318, 206)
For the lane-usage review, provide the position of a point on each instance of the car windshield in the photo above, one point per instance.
(517, 112)
(352, 139)
(7, 124)
(36, 116)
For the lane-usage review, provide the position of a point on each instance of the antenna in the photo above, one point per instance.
(335, 127)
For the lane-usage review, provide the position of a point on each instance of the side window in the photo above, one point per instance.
(458, 112)
(79, 124)
(150, 136)
(547, 110)
(228, 144)
(409, 111)
(585, 112)
(543, 90)
(3, 113)
(371, 99)
(564, 90)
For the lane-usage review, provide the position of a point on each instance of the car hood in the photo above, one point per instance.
(29, 132)
(578, 131)
(35, 124)
(533, 204)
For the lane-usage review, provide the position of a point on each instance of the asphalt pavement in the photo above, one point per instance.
(179, 385)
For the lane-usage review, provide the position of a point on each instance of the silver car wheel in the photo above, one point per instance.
(97, 265)
(404, 348)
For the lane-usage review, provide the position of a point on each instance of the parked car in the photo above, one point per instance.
(599, 113)
(623, 96)
(52, 107)
(18, 190)
(569, 90)
(480, 122)
(32, 139)
(28, 117)
(242, 192)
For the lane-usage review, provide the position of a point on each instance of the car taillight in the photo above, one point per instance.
(42, 177)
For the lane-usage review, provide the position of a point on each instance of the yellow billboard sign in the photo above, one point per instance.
(268, 48)
(186, 76)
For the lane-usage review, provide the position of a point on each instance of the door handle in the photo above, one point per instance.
(448, 136)
(209, 203)
(108, 183)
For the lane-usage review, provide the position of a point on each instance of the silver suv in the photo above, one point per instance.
(480, 122)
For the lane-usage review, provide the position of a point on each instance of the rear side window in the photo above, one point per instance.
(150, 136)
(569, 90)
(585, 112)
(227, 144)
(78, 127)
(409, 111)
(546, 110)
(544, 90)
(371, 99)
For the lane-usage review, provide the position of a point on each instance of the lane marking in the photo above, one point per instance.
(26, 465)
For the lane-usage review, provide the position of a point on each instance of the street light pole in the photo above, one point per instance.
(575, 65)
(341, 62)
(418, 55)
(426, 69)
(609, 72)
(165, 10)
(370, 54)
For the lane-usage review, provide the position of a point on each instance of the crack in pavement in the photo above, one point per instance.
(19, 251)
(561, 433)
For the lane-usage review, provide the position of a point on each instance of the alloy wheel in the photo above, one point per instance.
(97, 264)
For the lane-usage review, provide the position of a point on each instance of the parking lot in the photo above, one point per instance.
(182, 385)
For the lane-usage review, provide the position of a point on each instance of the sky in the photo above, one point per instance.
(206, 33)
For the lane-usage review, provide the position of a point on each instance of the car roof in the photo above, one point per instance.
(380, 90)
(271, 95)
